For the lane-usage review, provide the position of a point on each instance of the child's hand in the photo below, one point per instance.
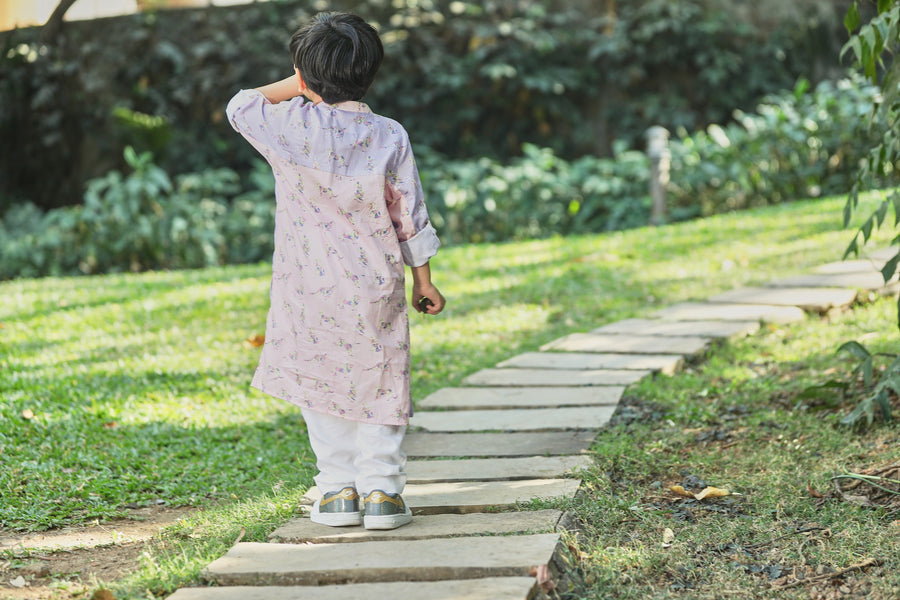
(427, 299)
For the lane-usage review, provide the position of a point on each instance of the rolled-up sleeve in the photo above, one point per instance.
(406, 205)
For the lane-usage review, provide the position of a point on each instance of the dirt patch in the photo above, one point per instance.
(64, 563)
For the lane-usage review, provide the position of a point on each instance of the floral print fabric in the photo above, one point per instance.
(349, 215)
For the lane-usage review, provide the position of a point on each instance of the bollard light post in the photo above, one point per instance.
(658, 152)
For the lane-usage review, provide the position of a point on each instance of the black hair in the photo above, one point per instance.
(338, 55)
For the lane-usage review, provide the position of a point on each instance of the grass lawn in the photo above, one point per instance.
(126, 391)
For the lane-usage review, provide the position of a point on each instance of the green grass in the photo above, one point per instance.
(126, 390)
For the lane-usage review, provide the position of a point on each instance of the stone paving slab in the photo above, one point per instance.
(250, 563)
(302, 530)
(494, 469)
(870, 280)
(474, 496)
(632, 344)
(554, 377)
(429, 445)
(702, 311)
(495, 588)
(666, 363)
(706, 329)
(514, 419)
(880, 255)
(810, 299)
(508, 397)
(861, 265)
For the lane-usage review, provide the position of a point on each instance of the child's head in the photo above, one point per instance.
(337, 55)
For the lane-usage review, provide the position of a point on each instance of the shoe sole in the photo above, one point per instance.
(387, 521)
(336, 519)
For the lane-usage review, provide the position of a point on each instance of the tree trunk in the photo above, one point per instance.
(51, 28)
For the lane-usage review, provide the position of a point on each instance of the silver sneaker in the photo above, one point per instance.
(337, 509)
(385, 511)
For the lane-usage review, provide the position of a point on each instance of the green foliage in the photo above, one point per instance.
(871, 43)
(537, 195)
(800, 143)
(795, 144)
(876, 394)
(465, 78)
(143, 221)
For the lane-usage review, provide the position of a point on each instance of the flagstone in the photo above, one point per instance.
(631, 344)
(303, 530)
(494, 588)
(510, 397)
(554, 377)
(881, 255)
(408, 560)
(656, 327)
(514, 419)
(870, 280)
(702, 311)
(861, 265)
(494, 469)
(666, 363)
(810, 299)
(427, 445)
(474, 496)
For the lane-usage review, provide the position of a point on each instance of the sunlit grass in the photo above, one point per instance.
(125, 390)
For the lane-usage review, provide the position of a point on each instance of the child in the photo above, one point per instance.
(349, 214)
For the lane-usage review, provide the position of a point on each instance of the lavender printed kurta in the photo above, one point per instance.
(349, 215)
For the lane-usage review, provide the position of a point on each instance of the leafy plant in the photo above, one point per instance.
(871, 43)
(877, 394)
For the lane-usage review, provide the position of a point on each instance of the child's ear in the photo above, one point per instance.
(302, 85)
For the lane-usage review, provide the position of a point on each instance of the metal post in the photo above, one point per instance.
(658, 152)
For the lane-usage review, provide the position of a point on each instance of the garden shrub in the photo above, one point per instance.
(466, 78)
(797, 144)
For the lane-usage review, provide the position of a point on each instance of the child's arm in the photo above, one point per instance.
(423, 288)
(287, 88)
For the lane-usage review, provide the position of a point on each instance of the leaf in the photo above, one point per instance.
(668, 537)
(27, 414)
(712, 492)
(255, 341)
(813, 492)
(18, 582)
(856, 349)
(681, 491)
(890, 268)
(852, 19)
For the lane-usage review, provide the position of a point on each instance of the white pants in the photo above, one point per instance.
(365, 456)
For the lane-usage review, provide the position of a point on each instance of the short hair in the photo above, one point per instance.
(338, 55)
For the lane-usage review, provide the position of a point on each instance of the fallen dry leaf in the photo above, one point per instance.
(255, 341)
(681, 491)
(27, 414)
(668, 537)
(707, 492)
(711, 492)
(542, 575)
(18, 582)
(812, 491)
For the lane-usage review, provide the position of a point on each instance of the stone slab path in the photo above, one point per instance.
(481, 454)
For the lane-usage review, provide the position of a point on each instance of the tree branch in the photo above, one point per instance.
(51, 28)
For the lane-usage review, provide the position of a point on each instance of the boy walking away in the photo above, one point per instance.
(349, 215)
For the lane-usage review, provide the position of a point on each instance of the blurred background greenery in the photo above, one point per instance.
(527, 117)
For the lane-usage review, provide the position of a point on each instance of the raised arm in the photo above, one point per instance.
(287, 88)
